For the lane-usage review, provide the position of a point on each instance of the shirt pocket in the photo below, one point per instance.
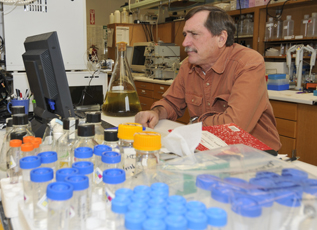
(220, 103)
(194, 104)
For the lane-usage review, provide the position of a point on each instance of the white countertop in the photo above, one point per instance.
(284, 95)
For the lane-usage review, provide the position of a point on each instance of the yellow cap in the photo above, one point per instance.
(127, 130)
(147, 141)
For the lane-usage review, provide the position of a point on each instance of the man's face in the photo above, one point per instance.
(201, 45)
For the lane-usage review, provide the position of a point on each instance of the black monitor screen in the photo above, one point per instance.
(138, 55)
(47, 79)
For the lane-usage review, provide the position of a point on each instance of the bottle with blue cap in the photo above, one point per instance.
(59, 196)
(78, 209)
(40, 178)
(27, 164)
(134, 220)
(115, 218)
(49, 160)
(154, 224)
(87, 168)
(196, 220)
(111, 139)
(65, 143)
(98, 151)
(113, 179)
(61, 174)
(217, 218)
(310, 198)
(205, 183)
(83, 154)
(176, 222)
(125, 192)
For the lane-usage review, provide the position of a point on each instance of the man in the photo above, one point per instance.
(220, 82)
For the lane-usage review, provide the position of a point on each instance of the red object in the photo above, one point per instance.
(21, 95)
(92, 17)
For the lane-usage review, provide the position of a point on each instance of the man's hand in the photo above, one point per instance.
(150, 118)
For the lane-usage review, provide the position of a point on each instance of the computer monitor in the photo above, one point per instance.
(138, 58)
(47, 79)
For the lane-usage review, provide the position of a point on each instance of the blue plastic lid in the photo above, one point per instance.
(176, 208)
(176, 199)
(266, 183)
(176, 222)
(134, 220)
(289, 198)
(196, 220)
(48, 157)
(79, 182)
(294, 174)
(246, 206)
(142, 189)
(120, 204)
(154, 224)
(39, 175)
(61, 174)
(236, 183)
(217, 217)
(196, 206)
(126, 192)
(156, 213)
(160, 186)
(30, 162)
(111, 157)
(222, 193)
(267, 174)
(263, 197)
(84, 167)
(276, 76)
(59, 191)
(206, 181)
(310, 186)
(138, 206)
(113, 176)
(140, 197)
(83, 152)
(288, 185)
(159, 193)
(157, 202)
(99, 149)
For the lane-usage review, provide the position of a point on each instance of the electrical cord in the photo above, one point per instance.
(84, 92)
(239, 21)
(276, 16)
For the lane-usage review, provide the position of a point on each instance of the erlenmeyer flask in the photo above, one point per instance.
(122, 99)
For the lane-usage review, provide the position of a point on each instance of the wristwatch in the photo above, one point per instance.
(193, 119)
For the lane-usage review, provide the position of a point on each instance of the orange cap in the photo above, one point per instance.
(147, 141)
(27, 147)
(127, 130)
(121, 46)
(35, 144)
(38, 139)
(15, 143)
(28, 139)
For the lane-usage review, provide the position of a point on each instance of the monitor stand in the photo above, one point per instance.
(39, 123)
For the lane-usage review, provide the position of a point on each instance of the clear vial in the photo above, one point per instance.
(111, 139)
(78, 213)
(126, 133)
(288, 27)
(269, 29)
(27, 149)
(59, 196)
(13, 159)
(113, 179)
(217, 218)
(98, 151)
(83, 154)
(61, 174)
(65, 143)
(304, 26)
(95, 118)
(49, 160)
(40, 178)
(26, 165)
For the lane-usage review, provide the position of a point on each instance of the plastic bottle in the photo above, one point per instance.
(147, 146)
(131, 20)
(13, 159)
(99, 168)
(86, 134)
(95, 118)
(83, 154)
(79, 201)
(126, 133)
(269, 29)
(27, 149)
(59, 196)
(217, 218)
(124, 16)
(196, 220)
(115, 218)
(117, 17)
(111, 139)
(4, 147)
(26, 165)
(288, 27)
(111, 18)
(61, 174)
(156, 224)
(278, 29)
(121, 99)
(248, 25)
(49, 160)
(312, 26)
(304, 26)
(65, 143)
(40, 178)
(178, 222)
(113, 179)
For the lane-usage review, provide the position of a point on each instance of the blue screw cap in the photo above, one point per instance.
(176, 209)
(99, 149)
(246, 206)
(113, 176)
(217, 217)
(160, 186)
(156, 213)
(222, 193)
(126, 192)
(134, 220)
(83, 152)
(140, 197)
(157, 202)
(120, 204)
(206, 181)
(59, 191)
(176, 222)
(294, 174)
(84, 167)
(111, 157)
(61, 174)
(142, 189)
(196, 220)
(39, 175)
(154, 224)
(30, 162)
(48, 157)
(310, 186)
(79, 182)
(137, 206)
(176, 199)
(196, 206)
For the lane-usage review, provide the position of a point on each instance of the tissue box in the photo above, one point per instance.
(11, 195)
(277, 82)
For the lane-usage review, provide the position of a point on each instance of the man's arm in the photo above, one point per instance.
(150, 118)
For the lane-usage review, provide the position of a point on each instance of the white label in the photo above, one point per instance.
(144, 161)
(210, 141)
(12, 163)
(234, 128)
(129, 160)
(127, 104)
(72, 128)
(269, 25)
(98, 175)
(109, 195)
(42, 203)
(285, 27)
(305, 21)
(299, 37)
(71, 212)
(118, 88)
(287, 37)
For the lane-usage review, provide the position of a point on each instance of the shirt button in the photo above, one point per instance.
(207, 83)
(208, 103)
(224, 105)
(192, 100)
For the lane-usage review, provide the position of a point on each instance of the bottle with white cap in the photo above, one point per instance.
(59, 195)
(111, 18)
(117, 16)
(40, 178)
(288, 27)
(312, 26)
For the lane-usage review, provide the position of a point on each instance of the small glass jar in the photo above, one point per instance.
(49, 160)
(13, 158)
(59, 196)
(28, 139)
(95, 119)
(27, 149)
(61, 174)
(119, 207)
(114, 179)
(111, 138)
(98, 150)
(36, 146)
(83, 154)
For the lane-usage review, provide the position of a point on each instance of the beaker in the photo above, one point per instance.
(122, 99)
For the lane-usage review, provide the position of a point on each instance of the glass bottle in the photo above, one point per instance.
(3, 165)
(304, 26)
(247, 25)
(312, 26)
(288, 26)
(278, 29)
(66, 141)
(122, 99)
(86, 134)
(20, 109)
(27, 149)
(13, 159)
(111, 139)
(269, 29)
(48, 143)
(124, 16)
(126, 133)
(95, 118)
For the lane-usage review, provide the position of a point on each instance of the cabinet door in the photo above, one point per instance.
(288, 145)
(146, 102)
(284, 110)
(145, 93)
(144, 85)
(286, 128)
(159, 90)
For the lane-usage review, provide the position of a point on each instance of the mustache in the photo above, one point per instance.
(189, 49)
